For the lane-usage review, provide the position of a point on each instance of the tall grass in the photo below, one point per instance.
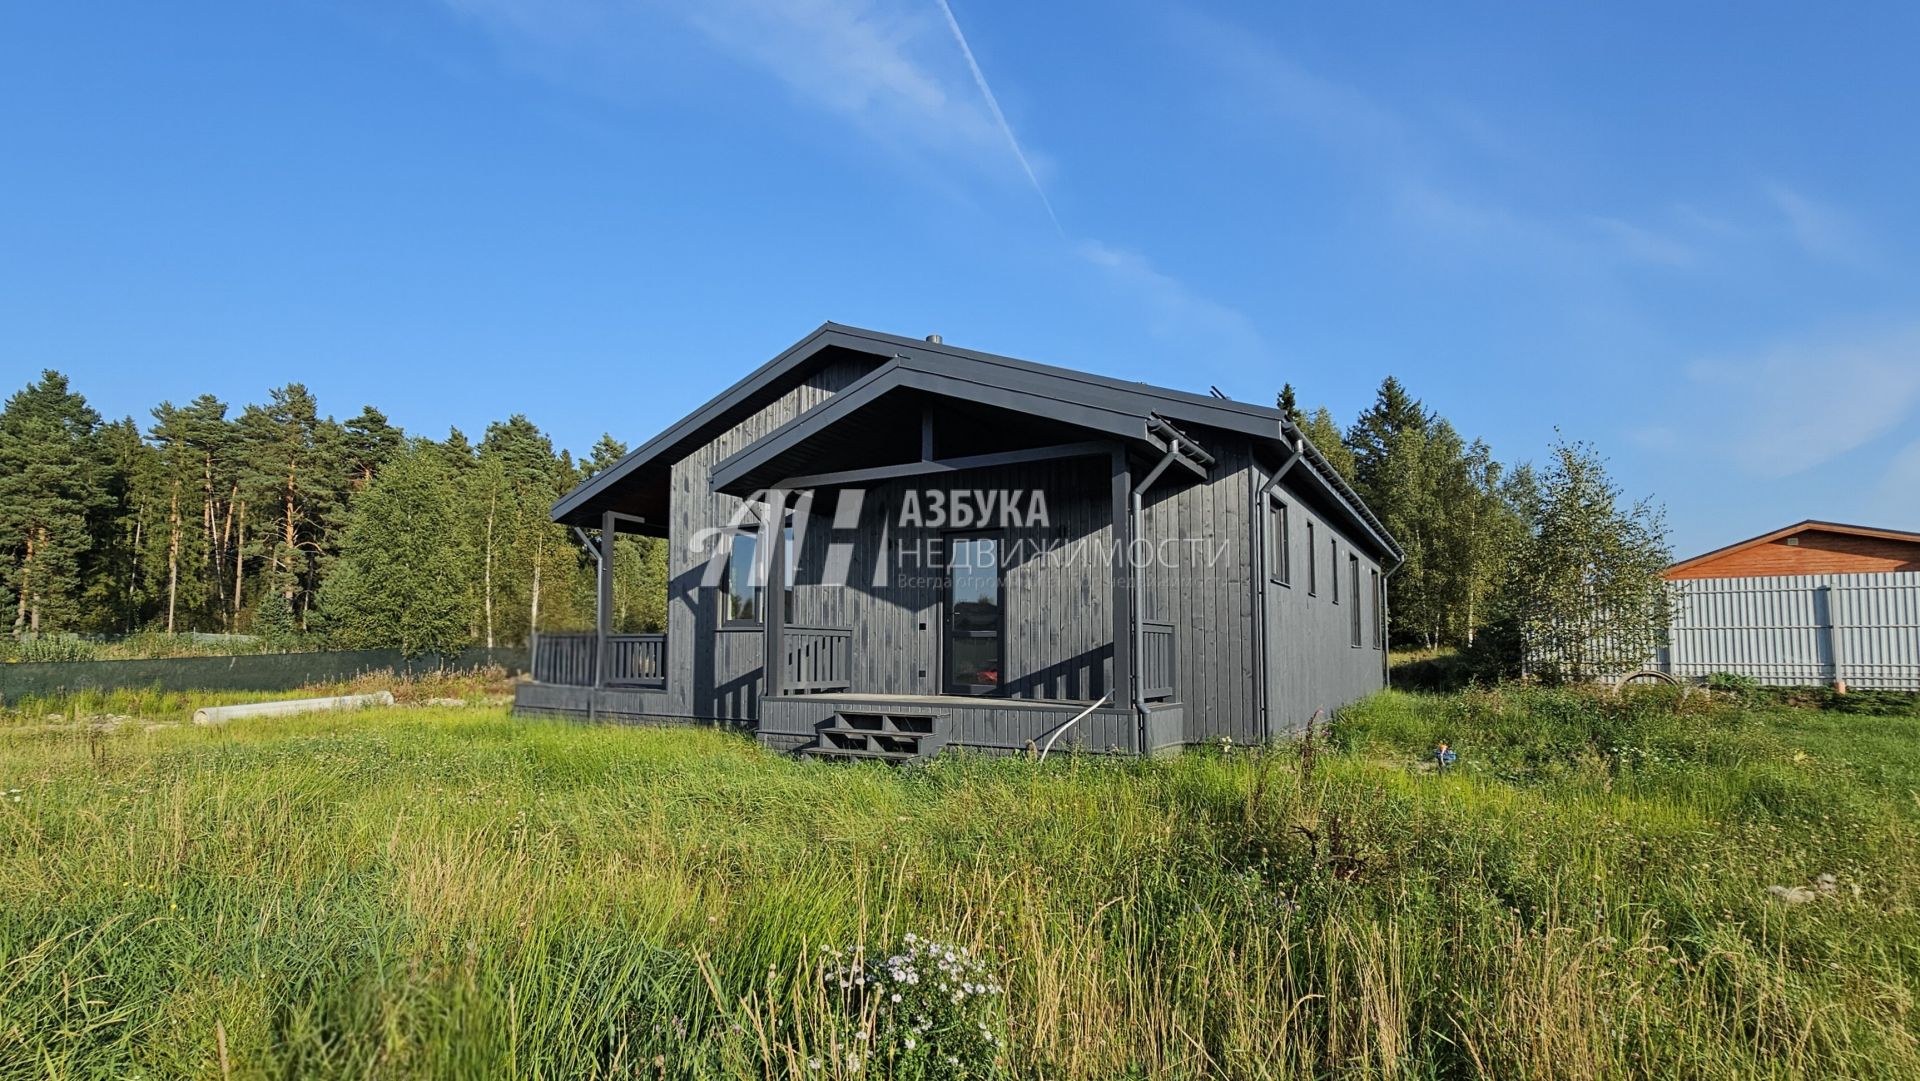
(421, 892)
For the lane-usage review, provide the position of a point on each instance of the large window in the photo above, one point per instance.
(975, 626)
(744, 599)
(1353, 570)
(1279, 543)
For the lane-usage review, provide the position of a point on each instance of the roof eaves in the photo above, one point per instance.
(824, 335)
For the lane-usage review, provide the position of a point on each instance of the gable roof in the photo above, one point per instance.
(1119, 407)
(1810, 525)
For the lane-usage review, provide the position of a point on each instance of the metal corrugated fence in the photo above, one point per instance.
(1799, 629)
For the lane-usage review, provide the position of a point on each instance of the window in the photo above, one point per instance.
(1353, 569)
(743, 598)
(1379, 626)
(974, 615)
(1313, 569)
(1333, 565)
(1279, 566)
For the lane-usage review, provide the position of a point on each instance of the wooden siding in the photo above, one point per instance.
(1312, 665)
(714, 671)
(1818, 552)
(1057, 640)
(1205, 589)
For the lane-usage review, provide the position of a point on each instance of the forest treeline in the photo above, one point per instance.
(1545, 566)
(278, 521)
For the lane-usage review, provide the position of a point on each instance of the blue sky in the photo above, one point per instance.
(1684, 232)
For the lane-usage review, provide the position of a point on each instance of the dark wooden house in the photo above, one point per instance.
(879, 546)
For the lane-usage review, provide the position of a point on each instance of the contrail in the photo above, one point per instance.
(993, 105)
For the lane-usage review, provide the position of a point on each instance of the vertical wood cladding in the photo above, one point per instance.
(713, 671)
(1197, 576)
(1057, 642)
(1312, 664)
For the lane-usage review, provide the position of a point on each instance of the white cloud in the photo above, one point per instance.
(1899, 492)
(1450, 172)
(1822, 230)
(1647, 244)
(1171, 308)
(1794, 407)
(902, 71)
(885, 66)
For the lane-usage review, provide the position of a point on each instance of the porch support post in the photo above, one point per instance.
(1123, 587)
(603, 601)
(774, 614)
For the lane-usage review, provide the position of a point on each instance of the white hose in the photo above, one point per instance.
(1070, 724)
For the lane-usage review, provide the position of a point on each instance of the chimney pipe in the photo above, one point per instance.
(934, 338)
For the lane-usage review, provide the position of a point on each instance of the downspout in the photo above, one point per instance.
(1261, 524)
(599, 568)
(1140, 710)
(1386, 624)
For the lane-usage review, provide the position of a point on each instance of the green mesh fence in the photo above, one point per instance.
(264, 672)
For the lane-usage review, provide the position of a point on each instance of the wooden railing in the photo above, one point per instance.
(1156, 660)
(819, 660)
(570, 659)
(637, 660)
(566, 659)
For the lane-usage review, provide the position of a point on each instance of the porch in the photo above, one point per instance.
(816, 710)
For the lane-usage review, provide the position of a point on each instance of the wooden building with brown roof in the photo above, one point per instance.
(1809, 547)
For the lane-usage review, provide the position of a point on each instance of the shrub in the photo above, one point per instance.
(1732, 682)
(927, 1010)
(52, 648)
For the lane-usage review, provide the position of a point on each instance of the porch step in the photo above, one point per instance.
(884, 736)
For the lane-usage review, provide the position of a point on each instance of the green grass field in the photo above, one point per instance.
(451, 892)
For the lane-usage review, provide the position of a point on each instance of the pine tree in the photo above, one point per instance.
(177, 433)
(369, 441)
(606, 451)
(389, 587)
(1375, 436)
(293, 467)
(273, 619)
(50, 498)
(117, 585)
(1289, 406)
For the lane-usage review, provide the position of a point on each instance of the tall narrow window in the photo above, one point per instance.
(1313, 566)
(1379, 627)
(1279, 566)
(744, 600)
(1353, 570)
(1333, 565)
